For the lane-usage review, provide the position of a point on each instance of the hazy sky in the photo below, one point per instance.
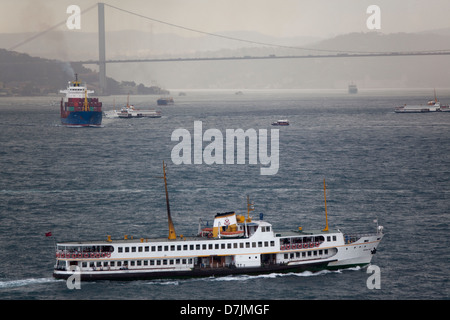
(286, 18)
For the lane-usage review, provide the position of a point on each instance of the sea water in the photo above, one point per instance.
(87, 183)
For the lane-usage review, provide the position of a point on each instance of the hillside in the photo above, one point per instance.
(24, 75)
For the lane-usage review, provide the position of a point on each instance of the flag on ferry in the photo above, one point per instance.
(48, 234)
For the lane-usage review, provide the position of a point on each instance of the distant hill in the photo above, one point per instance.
(24, 75)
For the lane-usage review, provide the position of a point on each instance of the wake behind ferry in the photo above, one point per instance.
(235, 244)
(78, 110)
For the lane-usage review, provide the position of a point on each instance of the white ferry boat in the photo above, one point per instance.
(234, 245)
(431, 106)
(129, 111)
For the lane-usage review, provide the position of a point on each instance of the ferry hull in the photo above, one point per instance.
(196, 272)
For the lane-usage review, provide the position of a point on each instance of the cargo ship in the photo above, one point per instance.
(235, 244)
(77, 109)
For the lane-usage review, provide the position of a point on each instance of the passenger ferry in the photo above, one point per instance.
(235, 244)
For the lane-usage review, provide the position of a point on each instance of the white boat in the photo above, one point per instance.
(431, 106)
(281, 123)
(255, 249)
(129, 111)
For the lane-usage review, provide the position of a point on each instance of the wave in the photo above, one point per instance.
(25, 282)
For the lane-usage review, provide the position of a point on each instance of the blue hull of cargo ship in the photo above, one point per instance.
(83, 118)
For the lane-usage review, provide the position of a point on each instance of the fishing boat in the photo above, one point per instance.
(77, 109)
(235, 244)
(281, 123)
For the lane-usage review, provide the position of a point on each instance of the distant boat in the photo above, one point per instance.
(352, 88)
(431, 106)
(281, 123)
(165, 101)
(129, 111)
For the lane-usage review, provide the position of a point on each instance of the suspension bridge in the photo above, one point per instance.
(314, 53)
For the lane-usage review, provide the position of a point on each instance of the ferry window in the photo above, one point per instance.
(147, 248)
(286, 256)
(297, 254)
(177, 261)
(159, 248)
(119, 263)
(216, 246)
(139, 262)
(247, 244)
(315, 252)
(268, 229)
(152, 262)
(120, 249)
(309, 253)
(241, 245)
(272, 243)
(197, 247)
(190, 260)
(145, 262)
(210, 246)
(183, 261)
(179, 247)
(166, 248)
(334, 238)
(127, 249)
(140, 249)
(204, 246)
(326, 251)
(153, 248)
(158, 262)
(171, 261)
(328, 238)
(259, 244)
(172, 248)
(253, 244)
(222, 246)
(165, 262)
(84, 264)
(292, 256)
(229, 246)
(133, 249)
(112, 263)
(191, 247)
(185, 247)
(235, 245)
(303, 254)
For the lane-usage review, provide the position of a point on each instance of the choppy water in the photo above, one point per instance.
(88, 183)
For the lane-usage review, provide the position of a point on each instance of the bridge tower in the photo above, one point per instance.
(101, 48)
